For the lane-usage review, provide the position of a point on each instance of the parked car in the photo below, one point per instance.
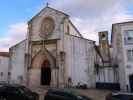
(16, 92)
(63, 94)
(119, 96)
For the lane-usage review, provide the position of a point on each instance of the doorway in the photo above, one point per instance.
(45, 73)
(131, 82)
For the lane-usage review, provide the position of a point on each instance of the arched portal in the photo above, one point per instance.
(45, 73)
(43, 64)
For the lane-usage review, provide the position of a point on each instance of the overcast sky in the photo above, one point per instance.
(89, 16)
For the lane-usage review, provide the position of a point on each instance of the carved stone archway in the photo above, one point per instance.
(39, 58)
(38, 62)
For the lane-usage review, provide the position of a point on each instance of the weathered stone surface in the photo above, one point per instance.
(70, 55)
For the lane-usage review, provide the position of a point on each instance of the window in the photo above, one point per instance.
(128, 37)
(9, 73)
(1, 74)
(130, 55)
(68, 29)
(13, 90)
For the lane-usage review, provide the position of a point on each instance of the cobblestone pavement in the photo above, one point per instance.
(92, 93)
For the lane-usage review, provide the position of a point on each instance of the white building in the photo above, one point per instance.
(54, 53)
(4, 63)
(122, 43)
(106, 74)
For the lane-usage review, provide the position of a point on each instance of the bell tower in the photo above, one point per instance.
(104, 46)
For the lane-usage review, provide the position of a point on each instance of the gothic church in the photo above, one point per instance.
(53, 54)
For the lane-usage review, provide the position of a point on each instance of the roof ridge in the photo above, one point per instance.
(44, 9)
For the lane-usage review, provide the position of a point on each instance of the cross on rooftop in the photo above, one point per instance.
(47, 4)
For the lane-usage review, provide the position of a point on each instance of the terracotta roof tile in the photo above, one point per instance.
(5, 54)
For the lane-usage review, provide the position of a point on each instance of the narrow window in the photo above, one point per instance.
(128, 37)
(68, 30)
(130, 55)
(1, 74)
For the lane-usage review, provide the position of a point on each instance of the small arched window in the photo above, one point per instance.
(68, 29)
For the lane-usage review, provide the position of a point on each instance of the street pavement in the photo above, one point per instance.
(95, 94)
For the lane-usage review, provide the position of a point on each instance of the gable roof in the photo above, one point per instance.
(121, 23)
(82, 38)
(44, 9)
(75, 28)
(17, 44)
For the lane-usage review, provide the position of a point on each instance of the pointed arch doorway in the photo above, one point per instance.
(45, 73)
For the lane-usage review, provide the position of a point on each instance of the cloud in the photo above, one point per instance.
(89, 16)
(16, 32)
(92, 16)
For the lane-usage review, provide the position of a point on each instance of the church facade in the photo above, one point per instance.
(54, 53)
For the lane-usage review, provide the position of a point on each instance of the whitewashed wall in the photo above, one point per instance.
(4, 64)
(120, 53)
(80, 60)
(107, 75)
(118, 56)
(17, 63)
(69, 28)
(128, 64)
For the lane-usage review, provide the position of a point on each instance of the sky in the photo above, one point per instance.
(89, 16)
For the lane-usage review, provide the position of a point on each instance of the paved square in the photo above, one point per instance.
(95, 94)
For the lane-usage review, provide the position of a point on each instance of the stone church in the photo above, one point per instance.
(54, 53)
